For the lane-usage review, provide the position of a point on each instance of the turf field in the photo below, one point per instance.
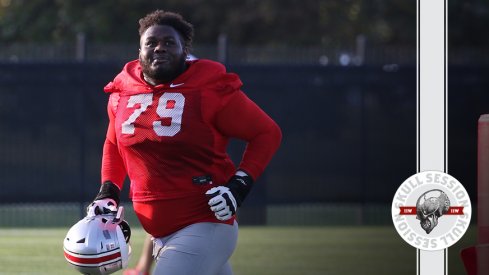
(261, 251)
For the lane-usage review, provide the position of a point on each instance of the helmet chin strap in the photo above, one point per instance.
(119, 216)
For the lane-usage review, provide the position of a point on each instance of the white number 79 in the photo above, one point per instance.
(170, 105)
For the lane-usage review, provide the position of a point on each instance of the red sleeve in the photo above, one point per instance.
(113, 168)
(241, 118)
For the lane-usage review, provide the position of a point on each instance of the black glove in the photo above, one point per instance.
(240, 186)
(224, 200)
(106, 201)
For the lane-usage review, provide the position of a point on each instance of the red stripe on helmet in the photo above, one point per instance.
(92, 260)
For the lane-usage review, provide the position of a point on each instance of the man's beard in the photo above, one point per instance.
(162, 74)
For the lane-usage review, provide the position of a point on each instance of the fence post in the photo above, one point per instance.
(222, 48)
(82, 147)
(81, 47)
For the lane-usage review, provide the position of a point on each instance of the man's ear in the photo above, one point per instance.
(186, 50)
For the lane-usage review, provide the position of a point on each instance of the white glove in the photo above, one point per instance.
(222, 202)
(102, 206)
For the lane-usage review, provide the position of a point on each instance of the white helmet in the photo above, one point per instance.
(99, 244)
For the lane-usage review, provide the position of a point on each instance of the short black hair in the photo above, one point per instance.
(172, 19)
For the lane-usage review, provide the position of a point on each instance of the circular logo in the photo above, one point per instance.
(431, 210)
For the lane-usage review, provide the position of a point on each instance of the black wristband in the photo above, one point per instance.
(240, 186)
(109, 190)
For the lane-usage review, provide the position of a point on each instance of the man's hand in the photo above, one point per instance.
(102, 206)
(225, 200)
(222, 202)
(106, 201)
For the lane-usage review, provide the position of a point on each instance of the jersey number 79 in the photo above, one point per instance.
(170, 110)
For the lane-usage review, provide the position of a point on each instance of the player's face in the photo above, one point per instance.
(162, 54)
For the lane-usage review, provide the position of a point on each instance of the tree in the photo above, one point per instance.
(246, 22)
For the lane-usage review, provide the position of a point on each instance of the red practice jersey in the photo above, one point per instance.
(171, 141)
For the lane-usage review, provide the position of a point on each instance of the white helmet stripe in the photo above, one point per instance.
(95, 265)
(91, 255)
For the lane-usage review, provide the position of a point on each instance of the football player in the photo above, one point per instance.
(170, 121)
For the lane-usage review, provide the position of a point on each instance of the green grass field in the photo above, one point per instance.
(261, 251)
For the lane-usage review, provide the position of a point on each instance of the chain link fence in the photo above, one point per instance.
(344, 126)
(94, 52)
